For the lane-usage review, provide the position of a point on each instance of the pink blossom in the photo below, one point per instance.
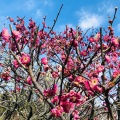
(18, 88)
(95, 118)
(63, 57)
(66, 72)
(5, 75)
(37, 42)
(100, 68)
(5, 34)
(94, 82)
(11, 20)
(44, 61)
(97, 37)
(46, 67)
(31, 24)
(16, 34)
(44, 24)
(106, 109)
(29, 80)
(57, 111)
(43, 45)
(54, 89)
(114, 56)
(67, 106)
(71, 78)
(54, 74)
(106, 38)
(70, 64)
(18, 79)
(107, 58)
(75, 44)
(16, 64)
(64, 97)
(55, 99)
(47, 93)
(115, 73)
(87, 85)
(25, 59)
(90, 93)
(99, 89)
(115, 41)
(91, 39)
(84, 53)
(74, 96)
(75, 115)
(40, 34)
(79, 79)
(51, 92)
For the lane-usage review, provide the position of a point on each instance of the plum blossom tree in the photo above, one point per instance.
(45, 75)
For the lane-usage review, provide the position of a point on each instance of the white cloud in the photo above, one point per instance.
(29, 4)
(88, 20)
(38, 14)
(106, 7)
(47, 3)
(118, 27)
(2, 18)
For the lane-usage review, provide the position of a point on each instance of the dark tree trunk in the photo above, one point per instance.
(118, 97)
(92, 112)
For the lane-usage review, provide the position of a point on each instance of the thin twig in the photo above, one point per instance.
(56, 19)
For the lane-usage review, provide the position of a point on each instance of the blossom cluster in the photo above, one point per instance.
(79, 67)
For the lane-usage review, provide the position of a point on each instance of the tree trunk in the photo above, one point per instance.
(118, 96)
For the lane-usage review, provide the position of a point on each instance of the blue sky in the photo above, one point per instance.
(84, 13)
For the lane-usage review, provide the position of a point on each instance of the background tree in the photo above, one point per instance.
(45, 75)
